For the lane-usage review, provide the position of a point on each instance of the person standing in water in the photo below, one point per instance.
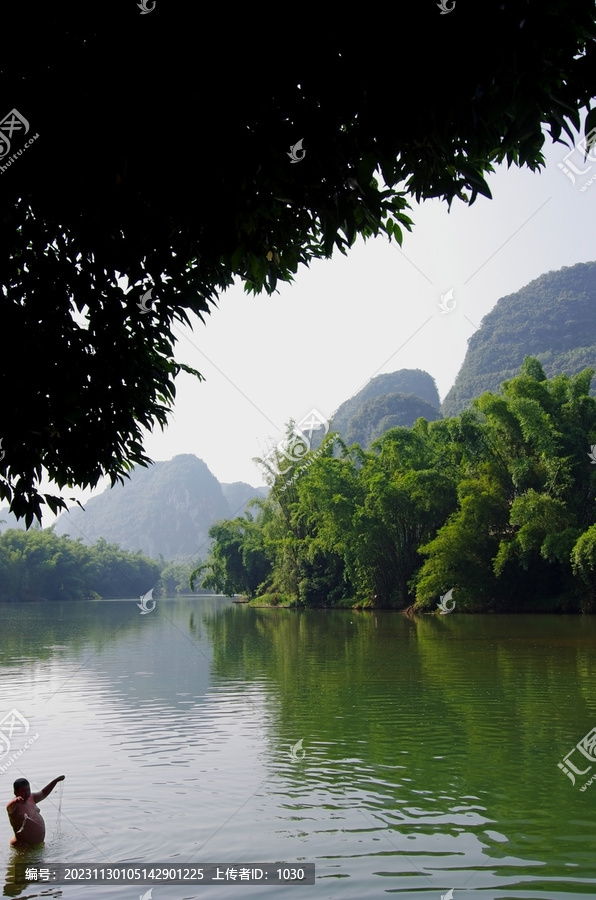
(25, 818)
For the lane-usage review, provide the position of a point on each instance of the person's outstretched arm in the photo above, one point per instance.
(41, 795)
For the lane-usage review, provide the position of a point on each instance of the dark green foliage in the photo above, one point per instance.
(526, 495)
(553, 319)
(583, 560)
(163, 157)
(238, 563)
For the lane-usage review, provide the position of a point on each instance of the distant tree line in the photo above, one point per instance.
(39, 565)
(497, 504)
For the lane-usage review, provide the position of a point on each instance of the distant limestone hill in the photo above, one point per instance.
(398, 398)
(553, 318)
(163, 510)
(238, 494)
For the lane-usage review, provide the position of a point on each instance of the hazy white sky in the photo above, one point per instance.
(344, 320)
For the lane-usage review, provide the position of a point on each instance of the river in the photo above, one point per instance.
(404, 757)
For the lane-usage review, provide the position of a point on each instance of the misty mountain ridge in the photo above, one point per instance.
(553, 318)
(388, 400)
(163, 510)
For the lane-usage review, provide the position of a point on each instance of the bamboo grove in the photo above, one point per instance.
(497, 504)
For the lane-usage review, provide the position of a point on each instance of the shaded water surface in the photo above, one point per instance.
(404, 757)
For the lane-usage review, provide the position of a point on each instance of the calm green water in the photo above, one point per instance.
(430, 746)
